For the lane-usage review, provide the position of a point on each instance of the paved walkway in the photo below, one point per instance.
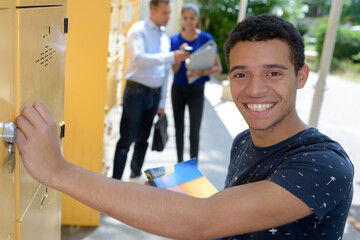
(339, 119)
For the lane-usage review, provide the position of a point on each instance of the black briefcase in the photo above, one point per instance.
(160, 134)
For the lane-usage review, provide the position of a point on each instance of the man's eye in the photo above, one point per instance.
(240, 75)
(273, 74)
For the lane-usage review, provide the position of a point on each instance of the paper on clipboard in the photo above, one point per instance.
(202, 59)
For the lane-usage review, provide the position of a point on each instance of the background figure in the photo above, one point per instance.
(145, 92)
(183, 93)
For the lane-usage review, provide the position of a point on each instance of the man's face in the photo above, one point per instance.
(160, 15)
(264, 84)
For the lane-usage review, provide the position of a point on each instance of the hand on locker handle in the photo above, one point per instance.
(38, 142)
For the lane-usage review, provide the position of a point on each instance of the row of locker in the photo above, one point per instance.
(32, 66)
(123, 13)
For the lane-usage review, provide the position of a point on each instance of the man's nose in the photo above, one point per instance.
(256, 86)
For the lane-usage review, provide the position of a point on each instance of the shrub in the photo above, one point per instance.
(347, 45)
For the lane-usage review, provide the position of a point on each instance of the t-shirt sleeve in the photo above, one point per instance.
(320, 178)
(173, 43)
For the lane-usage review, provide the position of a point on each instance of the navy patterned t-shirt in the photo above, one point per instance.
(311, 166)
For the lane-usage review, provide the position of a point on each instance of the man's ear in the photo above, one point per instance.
(303, 75)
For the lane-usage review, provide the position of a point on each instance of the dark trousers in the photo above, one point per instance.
(193, 96)
(139, 108)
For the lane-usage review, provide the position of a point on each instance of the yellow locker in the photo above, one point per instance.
(112, 82)
(26, 3)
(41, 70)
(47, 224)
(7, 197)
(131, 18)
(85, 88)
(40, 74)
(115, 24)
(32, 61)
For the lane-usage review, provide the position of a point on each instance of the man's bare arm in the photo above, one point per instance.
(233, 211)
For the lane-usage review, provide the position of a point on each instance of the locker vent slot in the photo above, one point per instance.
(40, 6)
(46, 56)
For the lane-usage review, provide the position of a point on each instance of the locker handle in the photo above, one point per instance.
(9, 135)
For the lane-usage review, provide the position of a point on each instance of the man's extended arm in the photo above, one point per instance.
(236, 210)
(136, 51)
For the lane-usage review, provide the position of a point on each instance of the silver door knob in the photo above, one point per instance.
(9, 135)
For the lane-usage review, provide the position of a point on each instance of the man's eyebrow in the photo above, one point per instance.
(275, 66)
(241, 67)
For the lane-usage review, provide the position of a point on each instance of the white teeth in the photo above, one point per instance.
(260, 107)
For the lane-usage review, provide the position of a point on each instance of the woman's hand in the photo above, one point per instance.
(193, 73)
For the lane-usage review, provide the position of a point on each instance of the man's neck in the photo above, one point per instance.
(277, 133)
(153, 20)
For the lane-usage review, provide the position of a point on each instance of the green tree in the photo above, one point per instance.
(351, 12)
(317, 8)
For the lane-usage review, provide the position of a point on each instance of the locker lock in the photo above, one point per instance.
(9, 135)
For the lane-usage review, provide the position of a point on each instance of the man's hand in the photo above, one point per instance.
(38, 143)
(160, 112)
(181, 55)
(182, 47)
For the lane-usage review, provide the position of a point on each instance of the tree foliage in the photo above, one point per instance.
(351, 12)
(219, 17)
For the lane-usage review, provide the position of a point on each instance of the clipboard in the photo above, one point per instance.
(203, 58)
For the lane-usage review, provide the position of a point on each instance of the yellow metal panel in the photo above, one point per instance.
(41, 70)
(5, 4)
(40, 75)
(116, 50)
(112, 82)
(41, 220)
(135, 18)
(22, 81)
(121, 15)
(85, 88)
(23, 3)
(7, 198)
(114, 26)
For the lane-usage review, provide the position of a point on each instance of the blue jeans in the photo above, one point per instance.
(139, 108)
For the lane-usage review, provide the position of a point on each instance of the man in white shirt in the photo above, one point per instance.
(149, 57)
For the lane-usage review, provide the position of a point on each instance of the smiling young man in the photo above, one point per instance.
(285, 180)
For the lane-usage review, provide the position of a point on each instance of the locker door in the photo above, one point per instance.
(41, 71)
(26, 3)
(41, 75)
(6, 115)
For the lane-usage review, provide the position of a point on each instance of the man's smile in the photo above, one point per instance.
(259, 107)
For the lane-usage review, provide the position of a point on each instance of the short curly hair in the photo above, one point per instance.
(268, 27)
